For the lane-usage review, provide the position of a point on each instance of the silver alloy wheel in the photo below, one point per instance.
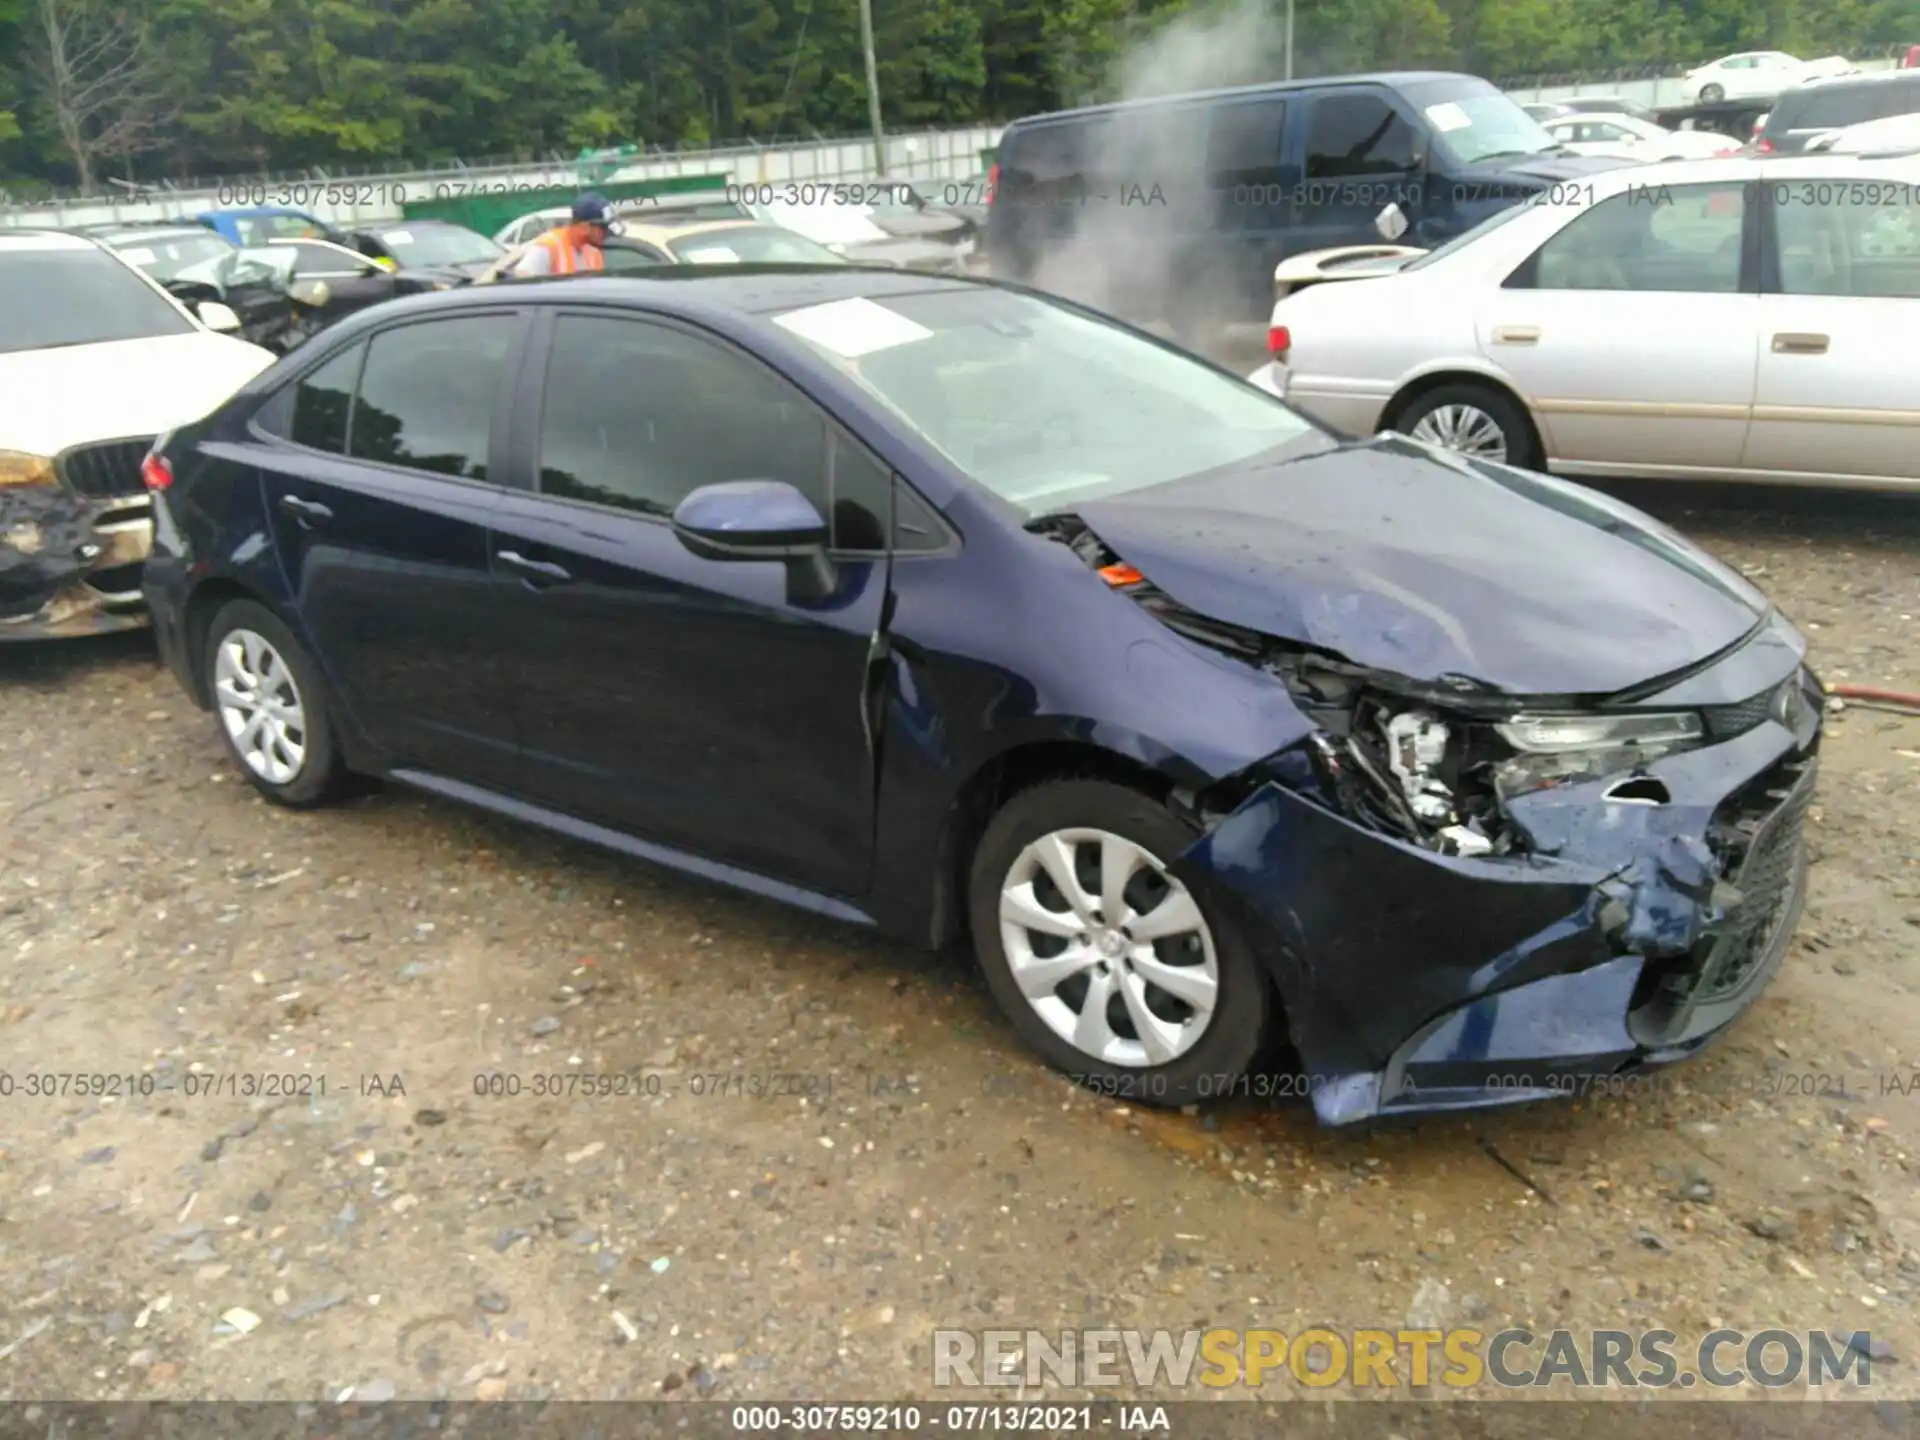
(1466, 428)
(260, 705)
(1110, 950)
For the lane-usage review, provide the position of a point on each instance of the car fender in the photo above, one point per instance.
(1466, 367)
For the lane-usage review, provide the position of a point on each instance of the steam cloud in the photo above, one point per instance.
(1124, 244)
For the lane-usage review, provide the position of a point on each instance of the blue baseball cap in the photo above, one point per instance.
(593, 209)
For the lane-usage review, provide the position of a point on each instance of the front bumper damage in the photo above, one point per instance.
(70, 563)
(1625, 927)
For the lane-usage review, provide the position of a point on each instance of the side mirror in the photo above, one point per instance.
(310, 292)
(759, 520)
(216, 316)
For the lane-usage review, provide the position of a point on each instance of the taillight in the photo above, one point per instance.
(993, 182)
(1763, 147)
(156, 472)
(1279, 341)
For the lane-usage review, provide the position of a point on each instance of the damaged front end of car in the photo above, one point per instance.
(1482, 898)
(74, 533)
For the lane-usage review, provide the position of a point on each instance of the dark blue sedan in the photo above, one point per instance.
(1231, 746)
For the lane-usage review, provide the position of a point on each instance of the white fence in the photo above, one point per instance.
(933, 154)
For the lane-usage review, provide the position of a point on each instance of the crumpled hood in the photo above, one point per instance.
(1418, 562)
(126, 388)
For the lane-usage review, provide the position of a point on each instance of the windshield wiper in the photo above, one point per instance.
(1505, 155)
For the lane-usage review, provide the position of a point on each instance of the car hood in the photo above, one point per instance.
(911, 254)
(1547, 169)
(1435, 568)
(921, 225)
(78, 393)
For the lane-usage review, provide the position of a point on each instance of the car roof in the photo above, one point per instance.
(21, 239)
(674, 227)
(111, 233)
(1233, 92)
(696, 292)
(1905, 169)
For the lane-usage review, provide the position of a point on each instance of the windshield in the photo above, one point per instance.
(751, 245)
(1472, 121)
(1043, 406)
(50, 298)
(166, 257)
(439, 245)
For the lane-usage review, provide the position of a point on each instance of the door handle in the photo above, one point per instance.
(307, 512)
(1792, 344)
(1516, 335)
(535, 572)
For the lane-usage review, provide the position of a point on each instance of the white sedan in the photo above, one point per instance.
(96, 359)
(1757, 75)
(1694, 319)
(1627, 138)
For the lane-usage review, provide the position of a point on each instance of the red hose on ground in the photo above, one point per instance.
(1875, 696)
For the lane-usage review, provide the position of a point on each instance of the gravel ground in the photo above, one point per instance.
(902, 1165)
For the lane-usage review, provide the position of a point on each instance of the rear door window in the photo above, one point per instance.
(1049, 162)
(1848, 238)
(1243, 147)
(428, 392)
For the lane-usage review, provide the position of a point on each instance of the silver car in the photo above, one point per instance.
(1741, 318)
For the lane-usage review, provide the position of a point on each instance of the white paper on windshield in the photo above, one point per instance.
(135, 255)
(852, 328)
(1448, 116)
(712, 255)
(398, 237)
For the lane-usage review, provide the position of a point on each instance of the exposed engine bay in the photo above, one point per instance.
(1431, 766)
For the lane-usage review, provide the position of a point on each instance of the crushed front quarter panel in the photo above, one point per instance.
(1401, 969)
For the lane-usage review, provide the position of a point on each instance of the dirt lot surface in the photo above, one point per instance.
(837, 1145)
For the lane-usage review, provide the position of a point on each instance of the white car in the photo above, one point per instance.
(96, 360)
(1757, 75)
(1665, 322)
(1871, 137)
(1626, 138)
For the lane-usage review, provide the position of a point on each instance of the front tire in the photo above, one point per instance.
(271, 702)
(1474, 420)
(1118, 973)
(1712, 94)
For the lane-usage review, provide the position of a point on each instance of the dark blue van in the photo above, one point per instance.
(1179, 208)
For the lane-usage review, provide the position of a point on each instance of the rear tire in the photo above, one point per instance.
(1475, 420)
(1164, 1005)
(272, 705)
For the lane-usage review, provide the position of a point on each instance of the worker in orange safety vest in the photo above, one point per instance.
(573, 247)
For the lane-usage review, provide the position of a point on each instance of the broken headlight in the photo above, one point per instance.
(17, 468)
(1556, 734)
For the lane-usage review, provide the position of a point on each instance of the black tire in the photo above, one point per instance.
(322, 775)
(1516, 428)
(1712, 94)
(1237, 1031)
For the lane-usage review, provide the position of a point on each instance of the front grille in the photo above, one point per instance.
(1726, 721)
(1758, 833)
(105, 471)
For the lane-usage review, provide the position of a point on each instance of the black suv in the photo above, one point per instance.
(1809, 110)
